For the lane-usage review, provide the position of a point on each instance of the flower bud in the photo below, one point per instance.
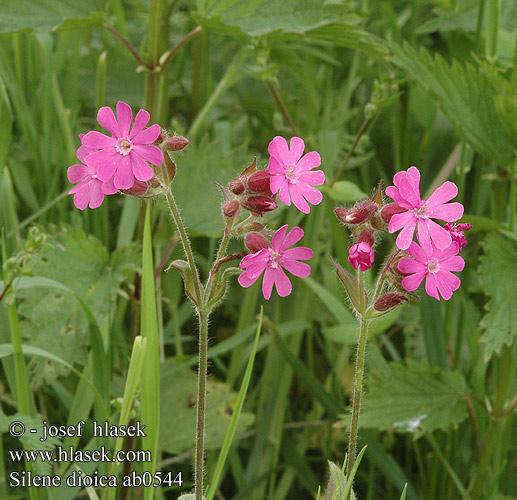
(259, 205)
(358, 214)
(236, 186)
(139, 189)
(230, 208)
(389, 210)
(361, 255)
(368, 236)
(255, 241)
(259, 182)
(389, 301)
(456, 230)
(176, 143)
(161, 137)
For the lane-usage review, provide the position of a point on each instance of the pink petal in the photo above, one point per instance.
(296, 149)
(82, 195)
(405, 236)
(77, 173)
(283, 193)
(410, 266)
(276, 182)
(309, 161)
(440, 236)
(141, 120)
(447, 253)
(96, 140)
(96, 194)
(316, 178)
(267, 283)
(141, 170)
(418, 253)
(394, 193)
(108, 187)
(312, 195)
(300, 269)
(124, 178)
(283, 285)
(83, 152)
(295, 235)
(423, 236)
(409, 187)
(106, 118)
(105, 161)
(147, 136)
(447, 191)
(278, 239)
(125, 117)
(447, 283)
(261, 256)
(455, 263)
(245, 281)
(275, 167)
(412, 282)
(398, 221)
(298, 253)
(450, 212)
(278, 148)
(152, 154)
(298, 199)
(431, 286)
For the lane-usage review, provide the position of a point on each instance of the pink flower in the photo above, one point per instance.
(90, 190)
(435, 265)
(291, 174)
(419, 213)
(274, 259)
(361, 256)
(123, 156)
(456, 231)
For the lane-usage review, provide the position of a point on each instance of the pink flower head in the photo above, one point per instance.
(361, 256)
(419, 213)
(456, 231)
(123, 156)
(291, 175)
(90, 190)
(273, 259)
(435, 265)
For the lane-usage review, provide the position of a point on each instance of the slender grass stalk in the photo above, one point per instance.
(492, 28)
(358, 381)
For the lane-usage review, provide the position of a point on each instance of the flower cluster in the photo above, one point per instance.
(433, 257)
(121, 162)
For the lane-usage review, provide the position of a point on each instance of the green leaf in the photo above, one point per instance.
(346, 192)
(26, 15)
(6, 123)
(497, 274)
(414, 398)
(178, 409)
(260, 17)
(468, 97)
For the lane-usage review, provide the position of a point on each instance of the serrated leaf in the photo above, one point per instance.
(28, 15)
(467, 95)
(414, 398)
(178, 408)
(497, 273)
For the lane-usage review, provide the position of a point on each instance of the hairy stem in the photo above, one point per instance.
(358, 382)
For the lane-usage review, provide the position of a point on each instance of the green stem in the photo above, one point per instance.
(186, 245)
(201, 404)
(283, 108)
(358, 382)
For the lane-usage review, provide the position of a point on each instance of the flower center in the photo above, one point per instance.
(433, 266)
(291, 174)
(124, 146)
(275, 258)
(420, 212)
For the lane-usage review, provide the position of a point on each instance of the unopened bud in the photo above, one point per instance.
(230, 208)
(161, 137)
(236, 186)
(139, 189)
(259, 182)
(358, 214)
(368, 236)
(259, 205)
(389, 301)
(255, 242)
(176, 143)
(361, 256)
(389, 210)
